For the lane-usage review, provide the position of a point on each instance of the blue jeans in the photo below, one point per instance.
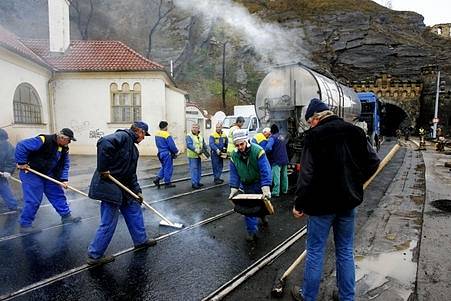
(34, 187)
(217, 164)
(7, 194)
(317, 232)
(166, 167)
(195, 169)
(109, 214)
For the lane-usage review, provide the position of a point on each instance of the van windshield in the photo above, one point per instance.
(229, 121)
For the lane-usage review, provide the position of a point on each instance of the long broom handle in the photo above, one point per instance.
(56, 181)
(137, 197)
(384, 162)
(11, 177)
(294, 265)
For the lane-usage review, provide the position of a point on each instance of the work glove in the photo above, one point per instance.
(233, 192)
(218, 152)
(105, 174)
(140, 198)
(6, 174)
(266, 192)
(198, 151)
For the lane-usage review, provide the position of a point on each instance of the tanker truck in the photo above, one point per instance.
(282, 99)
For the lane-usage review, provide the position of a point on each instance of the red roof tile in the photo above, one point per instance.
(11, 42)
(92, 55)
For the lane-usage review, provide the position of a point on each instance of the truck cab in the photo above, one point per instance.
(251, 124)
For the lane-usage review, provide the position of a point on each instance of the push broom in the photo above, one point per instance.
(165, 222)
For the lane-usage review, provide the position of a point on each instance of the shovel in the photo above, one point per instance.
(279, 284)
(164, 222)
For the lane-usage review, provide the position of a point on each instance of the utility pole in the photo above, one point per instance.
(223, 75)
(435, 120)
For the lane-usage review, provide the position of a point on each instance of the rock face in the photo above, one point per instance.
(354, 40)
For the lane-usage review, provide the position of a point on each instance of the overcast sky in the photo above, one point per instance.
(433, 11)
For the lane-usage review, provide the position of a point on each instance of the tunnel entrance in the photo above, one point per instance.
(392, 118)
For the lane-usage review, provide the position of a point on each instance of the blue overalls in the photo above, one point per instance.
(264, 171)
(34, 186)
(260, 139)
(217, 141)
(166, 150)
(7, 164)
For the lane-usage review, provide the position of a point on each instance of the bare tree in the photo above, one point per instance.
(82, 15)
(164, 8)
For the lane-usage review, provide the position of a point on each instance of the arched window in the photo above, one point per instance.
(27, 105)
(125, 103)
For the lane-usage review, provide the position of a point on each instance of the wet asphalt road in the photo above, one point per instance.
(187, 265)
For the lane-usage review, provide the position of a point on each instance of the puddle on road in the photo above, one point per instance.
(381, 270)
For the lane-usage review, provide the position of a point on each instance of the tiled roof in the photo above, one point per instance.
(11, 42)
(92, 55)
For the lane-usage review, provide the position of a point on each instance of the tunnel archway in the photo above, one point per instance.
(393, 117)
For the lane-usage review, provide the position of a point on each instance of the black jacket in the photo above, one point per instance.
(7, 160)
(335, 163)
(118, 154)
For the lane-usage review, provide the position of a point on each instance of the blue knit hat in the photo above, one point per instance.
(315, 106)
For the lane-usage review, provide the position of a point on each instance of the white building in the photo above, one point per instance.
(92, 87)
(195, 114)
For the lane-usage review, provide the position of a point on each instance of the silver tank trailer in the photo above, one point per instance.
(284, 94)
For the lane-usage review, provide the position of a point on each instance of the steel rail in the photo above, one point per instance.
(17, 235)
(144, 186)
(85, 267)
(269, 257)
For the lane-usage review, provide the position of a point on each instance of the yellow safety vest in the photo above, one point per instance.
(198, 144)
(260, 137)
(231, 146)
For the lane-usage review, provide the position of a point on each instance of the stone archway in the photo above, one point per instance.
(396, 114)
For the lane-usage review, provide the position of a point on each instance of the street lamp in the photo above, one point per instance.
(223, 75)
(435, 120)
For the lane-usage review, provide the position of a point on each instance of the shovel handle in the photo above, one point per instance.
(294, 265)
(11, 178)
(56, 181)
(137, 197)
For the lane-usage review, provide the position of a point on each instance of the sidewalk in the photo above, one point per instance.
(403, 252)
(434, 263)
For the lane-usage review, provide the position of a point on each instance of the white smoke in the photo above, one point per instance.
(275, 44)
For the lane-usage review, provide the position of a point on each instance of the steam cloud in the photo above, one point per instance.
(275, 44)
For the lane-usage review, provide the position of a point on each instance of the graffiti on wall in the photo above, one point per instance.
(78, 126)
(96, 134)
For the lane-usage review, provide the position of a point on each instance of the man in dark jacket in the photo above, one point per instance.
(335, 163)
(48, 154)
(117, 155)
(276, 149)
(7, 167)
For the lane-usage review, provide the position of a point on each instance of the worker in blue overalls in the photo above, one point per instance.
(276, 150)
(7, 167)
(218, 146)
(117, 155)
(262, 138)
(195, 147)
(48, 154)
(250, 172)
(167, 152)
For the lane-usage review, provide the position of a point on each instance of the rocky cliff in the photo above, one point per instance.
(354, 39)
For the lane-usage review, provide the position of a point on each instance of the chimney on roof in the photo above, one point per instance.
(59, 31)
